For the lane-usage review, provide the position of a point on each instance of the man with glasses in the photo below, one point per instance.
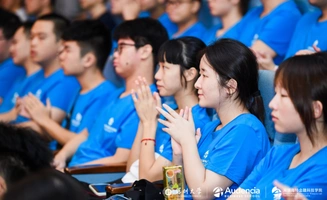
(111, 137)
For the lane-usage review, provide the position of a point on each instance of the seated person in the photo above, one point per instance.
(299, 107)
(185, 15)
(22, 151)
(230, 14)
(47, 184)
(111, 137)
(230, 147)
(86, 46)
(178, 71)
(20, 52)
(156, 9)
(97, 10)
(308, 37)
(9, 72)
(56, 88)
(268, 29)
(37, 8)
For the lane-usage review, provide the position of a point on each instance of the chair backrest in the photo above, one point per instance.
(266, 87)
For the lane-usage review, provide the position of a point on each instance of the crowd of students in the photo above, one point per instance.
(139, 83)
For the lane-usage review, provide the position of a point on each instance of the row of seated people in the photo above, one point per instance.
(257, 29)
(226, 84)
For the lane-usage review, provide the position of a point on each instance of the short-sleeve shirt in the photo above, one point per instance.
(309, 177)
(275, 29)
(235, 149)
(116, 127)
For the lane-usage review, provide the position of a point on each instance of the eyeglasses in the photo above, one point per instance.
(176, 3)
(120, 46)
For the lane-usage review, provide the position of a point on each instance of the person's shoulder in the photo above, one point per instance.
(310, 17)
(288, 8)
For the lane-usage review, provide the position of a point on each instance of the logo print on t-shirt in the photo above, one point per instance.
(14, 98)
(277, 193)
(111, 121)
(108, 127)
(77, 121)
(38, 93)
(161, 148)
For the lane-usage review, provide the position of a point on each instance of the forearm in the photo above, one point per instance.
(36, 127)
(177, 159)
(194, 170)
(135, 151)
(57, 132)
(70, 147)
(120, 156)
(9, 116)
(147, 152)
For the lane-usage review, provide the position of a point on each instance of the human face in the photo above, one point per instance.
(322, 4)
(33, 6)
(220, 7)
(168, 79)
(284, 114)
(210, 93)
(126, 57)
(87, 4)
(148, 5)
(20, 47)
(180, 11)
(4, 47)
(7, 4)
(44, 44)
(116, 6)
(70, 59)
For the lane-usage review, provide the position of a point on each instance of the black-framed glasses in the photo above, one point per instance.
(120, 46)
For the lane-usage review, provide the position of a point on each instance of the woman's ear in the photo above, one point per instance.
(317, 109)
(146, 51)
(231, 86)
(190, 74)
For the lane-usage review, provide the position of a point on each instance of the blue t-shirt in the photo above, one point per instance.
(9, 72)
(234, 150)
(196, 30)
(20, 88)
(231, 33)
(168, 24)
(88, 106)
(163, 140)
(60, 89)
(309, 31)
(115, 127)
(275, 29)
(310, 177)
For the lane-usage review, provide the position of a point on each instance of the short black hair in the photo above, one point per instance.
(143, 31)
(9, 23)
(21, 151)
(91, 36)
(27, 26)
(60, 23)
